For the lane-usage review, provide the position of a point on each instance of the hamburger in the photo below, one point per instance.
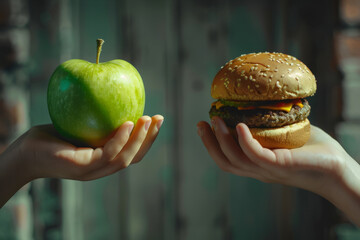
(267, 92)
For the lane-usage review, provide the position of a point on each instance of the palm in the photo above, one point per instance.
(318, 153)
(63, 159)
(50, 156)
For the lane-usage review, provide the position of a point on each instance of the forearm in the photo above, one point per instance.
(13, 176)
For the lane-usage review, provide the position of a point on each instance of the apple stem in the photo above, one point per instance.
(99, 42)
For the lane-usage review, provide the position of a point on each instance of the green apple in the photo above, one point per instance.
(87, 101)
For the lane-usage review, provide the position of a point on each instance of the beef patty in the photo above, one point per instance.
(261, 118)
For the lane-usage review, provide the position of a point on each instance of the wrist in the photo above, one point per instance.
(12, 175)
(344, 192)
(15, 164)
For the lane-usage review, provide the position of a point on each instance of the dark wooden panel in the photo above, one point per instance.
(203, 188)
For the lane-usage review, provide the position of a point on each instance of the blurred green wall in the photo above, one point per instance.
(177, 191)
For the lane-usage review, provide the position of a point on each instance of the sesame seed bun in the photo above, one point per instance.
(290, 136)
(263, 77)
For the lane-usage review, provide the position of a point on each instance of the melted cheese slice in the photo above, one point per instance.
(279, 106)
(217, 104)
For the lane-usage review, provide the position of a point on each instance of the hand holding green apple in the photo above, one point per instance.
(87, 101)
(41, 153)
(89, 104)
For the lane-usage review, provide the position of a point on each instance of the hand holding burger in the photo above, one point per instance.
(267, 92)
(259, 112)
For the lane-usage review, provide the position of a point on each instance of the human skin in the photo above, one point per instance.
(321, 166)
(41, 153)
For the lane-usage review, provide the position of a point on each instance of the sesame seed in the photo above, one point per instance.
(257, 85)
(278, 84)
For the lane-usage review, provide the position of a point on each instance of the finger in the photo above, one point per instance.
(229, 146)
(212, 146)
(215, 151)
(113, 147)
(127, 153)
(156, 122)
(93, 159)
(136, 140)
(80, 161)
(252, 148)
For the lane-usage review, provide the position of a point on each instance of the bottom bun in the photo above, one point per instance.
(290, 136)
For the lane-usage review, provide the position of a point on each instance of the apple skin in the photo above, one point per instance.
(87, 102)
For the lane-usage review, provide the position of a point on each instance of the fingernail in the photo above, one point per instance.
(130, 127)
(213, 124)
(147, 125)
(200, 131)
(159, 123)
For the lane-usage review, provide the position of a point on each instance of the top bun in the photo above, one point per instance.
(263, 77)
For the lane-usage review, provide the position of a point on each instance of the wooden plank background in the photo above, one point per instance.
(177, 191)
